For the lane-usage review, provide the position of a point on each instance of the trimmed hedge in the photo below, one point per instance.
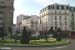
(43, 41)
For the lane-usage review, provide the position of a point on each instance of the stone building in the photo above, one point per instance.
(58, 16)
(6, 13)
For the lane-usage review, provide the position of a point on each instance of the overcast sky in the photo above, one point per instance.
(32, 7)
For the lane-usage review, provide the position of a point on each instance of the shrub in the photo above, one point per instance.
(25, 36)
(58, 39)
(35, 38)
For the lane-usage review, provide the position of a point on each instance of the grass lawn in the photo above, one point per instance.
(40, 42)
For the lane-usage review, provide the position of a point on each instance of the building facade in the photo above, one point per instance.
(28, 21)
(34, 22)
(6, 13)
(20, 20)
(57, 16)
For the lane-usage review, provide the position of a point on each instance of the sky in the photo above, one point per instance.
(33, 7)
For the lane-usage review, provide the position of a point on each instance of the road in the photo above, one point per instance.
(66, 47)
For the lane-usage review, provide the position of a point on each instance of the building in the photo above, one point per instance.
(26, 22)
(20, 19)
(29, 21)
(39, 24)
(58, 16)
(6, 13)
(34, 22)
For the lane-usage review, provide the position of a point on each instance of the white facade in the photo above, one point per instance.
(57, 15)
(34, 19)
(29, 21)
(20, 18)
(26, 22)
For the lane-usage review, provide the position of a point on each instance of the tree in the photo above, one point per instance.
(10, 30)
(45, 34)
(55, 33)
(25, 36)
(58, 38)
(50, 31)
(2, 33)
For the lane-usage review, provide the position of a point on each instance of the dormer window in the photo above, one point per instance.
(49, 7)
(62, 7)
(57, 7)
(67, 7)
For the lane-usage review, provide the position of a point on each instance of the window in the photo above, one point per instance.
(59, 17)
(49, 7)
(65, 17)
(52, 7)
(71, 8)
(62, 7)
(73, 28)
(57, 7)
(55, 22)
(56, 28)
(72, 14)
(74, 9)
(60, 23)
(67, 7)
(65, 22)
(55, 17)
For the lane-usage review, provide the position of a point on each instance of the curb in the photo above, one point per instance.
(35, 45)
